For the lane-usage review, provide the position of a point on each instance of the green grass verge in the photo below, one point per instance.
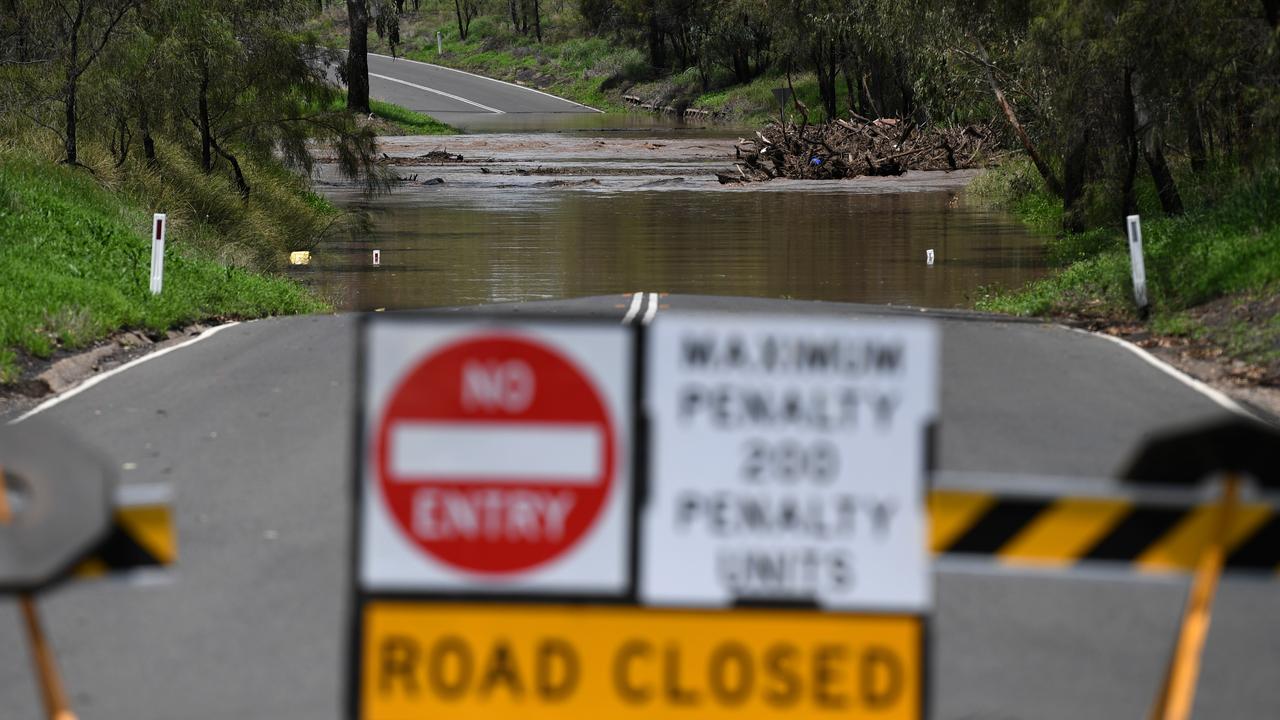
(408, 121)
(1228, 243)
(75, 259)
(399, 120)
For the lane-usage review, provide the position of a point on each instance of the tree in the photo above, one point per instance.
(68, 37)
(465, 10)
(386, 20)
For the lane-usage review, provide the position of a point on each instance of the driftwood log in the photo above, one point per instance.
(842, 149)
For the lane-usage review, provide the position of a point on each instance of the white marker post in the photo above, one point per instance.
(1135, 260)
(928, 256)
(439, 43)
(158, 223)
(377, 258)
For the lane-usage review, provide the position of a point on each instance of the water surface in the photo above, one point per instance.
(557, 217)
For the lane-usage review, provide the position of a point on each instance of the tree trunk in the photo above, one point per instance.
(1166, 188)
(1129, 204)
(851, 87)
(1153, 152)
(825, 71)
(358, 56)
(1073, 179)
(463, 25)
(657, 48)
(69, 93)
(126, 140)
(69, 142)
(1195, 133)
(206, 138)
(241, 183)
(1046, 172)
(148, 142)
(537, 20)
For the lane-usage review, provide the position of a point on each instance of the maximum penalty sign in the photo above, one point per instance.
(787, 462)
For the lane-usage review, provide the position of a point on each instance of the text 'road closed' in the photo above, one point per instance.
(548, 661)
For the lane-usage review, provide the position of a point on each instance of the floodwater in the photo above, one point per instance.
(534, 217)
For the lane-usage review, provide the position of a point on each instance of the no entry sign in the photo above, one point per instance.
(497, 457)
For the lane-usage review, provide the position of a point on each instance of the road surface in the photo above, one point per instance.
(454, 96)
(253, 426)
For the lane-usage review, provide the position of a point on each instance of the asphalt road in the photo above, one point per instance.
(252, 427)
(456, 96)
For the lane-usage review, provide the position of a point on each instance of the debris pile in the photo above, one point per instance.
(841, 149)
(435, 157)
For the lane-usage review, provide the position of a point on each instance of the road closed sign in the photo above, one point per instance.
(787, 462)
(497, 458)
(458, 661)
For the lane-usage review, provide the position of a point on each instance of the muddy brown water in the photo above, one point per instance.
(534, 217)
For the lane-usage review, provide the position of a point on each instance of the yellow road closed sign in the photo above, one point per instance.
(441, 659)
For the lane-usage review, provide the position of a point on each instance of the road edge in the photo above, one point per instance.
(93, 380)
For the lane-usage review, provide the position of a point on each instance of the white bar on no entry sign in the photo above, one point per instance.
(568, 453)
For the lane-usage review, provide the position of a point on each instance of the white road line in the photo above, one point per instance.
(652, 311)
(1215, 395)
(442, 93)
(116, 371)
(482, 77)
(637, 301)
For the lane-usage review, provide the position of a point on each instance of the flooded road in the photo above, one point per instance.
(533, 217)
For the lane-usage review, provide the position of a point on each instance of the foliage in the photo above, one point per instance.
(1227, 243)
(75, 256)
(229, 80)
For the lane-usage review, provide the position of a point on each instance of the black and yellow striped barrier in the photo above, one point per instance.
(1060, 532)
(142, 536)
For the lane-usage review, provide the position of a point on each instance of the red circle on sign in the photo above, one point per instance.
(470, 395)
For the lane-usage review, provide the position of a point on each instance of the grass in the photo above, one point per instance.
(409, 122)
(1213, 274)
(1229, 242)
(398, 120)
(75, 251)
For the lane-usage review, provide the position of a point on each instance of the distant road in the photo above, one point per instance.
(253, 428)
(449, 95)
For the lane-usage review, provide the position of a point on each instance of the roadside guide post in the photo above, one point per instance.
(1138, 266)
(159, 223)
(439, 43)
(523, 548)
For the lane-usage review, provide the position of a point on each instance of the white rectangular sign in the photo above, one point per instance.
(496, 457)
(787, 461)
